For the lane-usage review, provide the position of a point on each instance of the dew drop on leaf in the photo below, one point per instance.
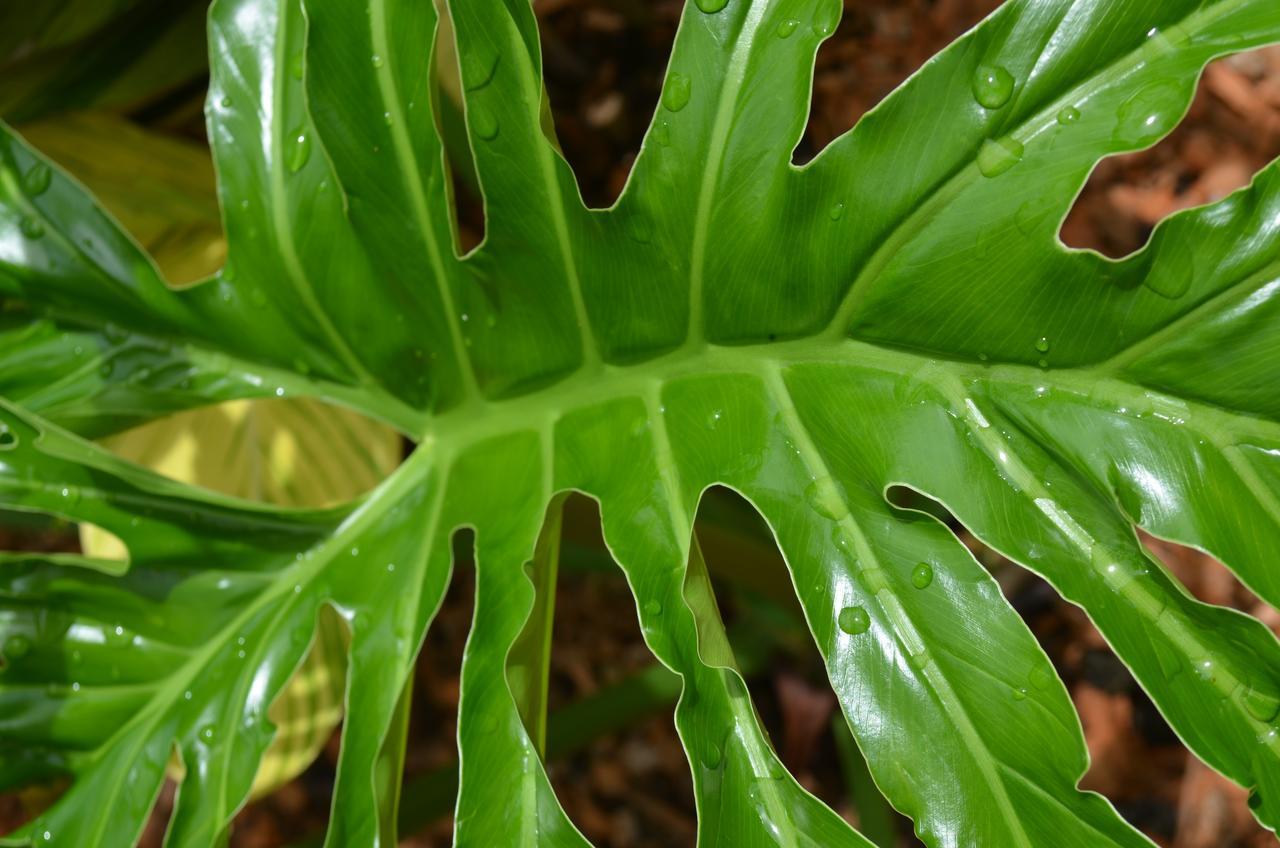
(1020, 694)
(825, 23)
(31, 227)
(1262, 705)
(225, 103)
(299, 149)
(1042, 344)
(999, 155)
(1173, 271)
(675, 94)
(854, 620)
(36, 181)
(992, 86)
(826, 500)
(712, 756)
(484, 122)
(922, 575)
(711, 6)
(478, 67)
(376, 60)
(836, 212)
(662, 133)
(208, 733)
(1068, 115)
(787, 27)
(652, 607)
(17, 645)
(1041, 677)
(1148, 114)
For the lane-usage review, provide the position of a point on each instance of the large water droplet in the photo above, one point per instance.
(1148, 114)
(299, 150)
(1174, 269)
(854, 620)
(675, 95)
(653, 607)
(711, 6)
(376, 60)
(1042, 344)
(712, 756)
(36, 181)
(992, 86)
(479, 66)
(922, 575)
(17, 645)
(826, 499)
(1260, 704)
(1068, 115)
(1020, 694)
(825, 22)
(787, 27)
(998, 156)
(836, 212)
(31, 227)
(484, 122)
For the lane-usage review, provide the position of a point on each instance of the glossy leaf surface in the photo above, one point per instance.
(899, 311)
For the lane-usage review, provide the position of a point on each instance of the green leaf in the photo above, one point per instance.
(897, 312)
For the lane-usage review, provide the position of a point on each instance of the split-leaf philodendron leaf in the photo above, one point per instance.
(899, 311)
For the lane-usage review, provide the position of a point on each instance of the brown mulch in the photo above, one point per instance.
(605, 61)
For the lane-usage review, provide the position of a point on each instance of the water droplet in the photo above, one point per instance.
(70, 494)
(1205, 670)
(1148, 114)
(836, 212)
(1042, 344)
(296, 65)
(662, 133)
(208, 733)
(712, 756)
(675, 95)
(37, 180)
(998, 156)
(299, 149)
(484, 122)
(8, 438)
(118, 635)
(479, 66)
(1043, 363)
(16, 646)
(992, 86)
(388, 119)
(854, 620)
(825, 22)
(922, 575)
(376, 60)
(225, 103)
(711, 6)
(31, 227)
(355, 552)
(1041, 677)
(1020, 694)
(787, 27)
(874, 579)
(826, 499)
(1174, 269)
(1263, 706)
(279, 391)
(653, 607)
(391, 567)
(187, 695)
(1068, 115)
